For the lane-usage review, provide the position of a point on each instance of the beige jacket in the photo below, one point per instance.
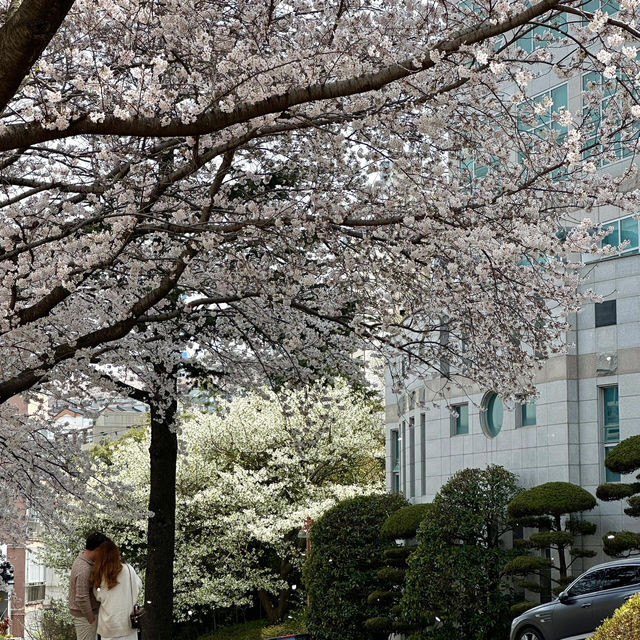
(82, 602)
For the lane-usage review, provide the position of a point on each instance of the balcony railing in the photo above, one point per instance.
(35, 592)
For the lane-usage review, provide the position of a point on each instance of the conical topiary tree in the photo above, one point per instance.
(549, 508)
(623, 458)
(400, 527)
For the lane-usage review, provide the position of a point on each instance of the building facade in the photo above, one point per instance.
(588, 399)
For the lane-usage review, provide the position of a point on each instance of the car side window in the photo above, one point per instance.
(621, 576)
(588, 583)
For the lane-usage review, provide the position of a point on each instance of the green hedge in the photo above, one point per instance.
(397, 556)
(610, 491)
(625, 456)
(551, 498)
(404, 522)
(347, 550)
(623, 625)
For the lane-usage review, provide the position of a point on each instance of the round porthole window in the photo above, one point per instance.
(492, 416)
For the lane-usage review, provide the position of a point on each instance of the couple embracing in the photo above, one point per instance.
(102, 592)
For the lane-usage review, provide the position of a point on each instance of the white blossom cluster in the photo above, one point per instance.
(288, 182)
(249, 475)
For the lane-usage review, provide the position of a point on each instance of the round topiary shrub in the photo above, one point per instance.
(346, 554)
(404, 523)
(625, 456)
(619, 543)
(397, 556)
(379, 625)
(381, 598)
(623, 625)
(551, 498)
(391, 575)
(610, 491)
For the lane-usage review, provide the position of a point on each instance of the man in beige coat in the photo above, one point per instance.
(82, 603)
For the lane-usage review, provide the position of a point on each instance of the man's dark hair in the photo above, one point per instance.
(94, 540)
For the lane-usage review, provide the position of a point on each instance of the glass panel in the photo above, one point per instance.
(621, 576)
(612, 434)
(462, 421)
(528, 414)
(612, 239)
(610, 417)
(495, 414)
(610, 476)
(629, 231)
(587, 584)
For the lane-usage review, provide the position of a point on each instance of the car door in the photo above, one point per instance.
(618, 585)
(574, 616)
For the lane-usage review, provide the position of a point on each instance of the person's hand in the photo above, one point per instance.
(92, 620)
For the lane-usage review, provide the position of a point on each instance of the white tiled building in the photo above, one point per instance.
(589, 399)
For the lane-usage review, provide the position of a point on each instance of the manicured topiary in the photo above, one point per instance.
(623, 458)
(611, 491)
(457, 572)
(380, 625)
(553, 499)
(397, 556)
(380, 598)
(391, 575)
(545, 507)
(623, 625)
(621, 543)
(346, 553)
(404, 522)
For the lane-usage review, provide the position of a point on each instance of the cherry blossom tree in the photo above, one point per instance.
(250, 471)
(292, 179)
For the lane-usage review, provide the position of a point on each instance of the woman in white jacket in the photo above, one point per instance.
(116, 587)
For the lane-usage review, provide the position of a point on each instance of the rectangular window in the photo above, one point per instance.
(622, 143)
(622, 235)
(412, 458)
(527, 417)
(610, 425)
(605, 313)
(460, 421)
(423, 453)
(403, 459)
(395, 461)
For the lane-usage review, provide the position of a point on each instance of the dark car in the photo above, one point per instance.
(583, 605)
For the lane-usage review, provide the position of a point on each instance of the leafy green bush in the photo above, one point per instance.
(380, 625)
(552, 498)
(619, 543)
(544, 506)
(457, 571)
(610, 491)
(346, 553)
(625, 456)
(404, 522)
(397, 556)
(623, 625)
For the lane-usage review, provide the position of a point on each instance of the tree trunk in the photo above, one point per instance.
(162, 503)
(276, 611)
(562, 560)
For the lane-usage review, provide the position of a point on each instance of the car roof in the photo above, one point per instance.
(616, 563)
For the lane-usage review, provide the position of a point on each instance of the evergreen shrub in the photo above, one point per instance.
(623, 625)
(346, 554)
(404, 522)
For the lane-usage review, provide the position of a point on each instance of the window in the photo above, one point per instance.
(605, 313)
(610, 425)
(460, 422)
(492, 414)
(395, 461)
(536, 114)
(622, 231)
(621, 144)
(540, 35)
(607, 6)
(412, 458)
(423, 453)
(588, 583)
(526, 414)
(623, 576)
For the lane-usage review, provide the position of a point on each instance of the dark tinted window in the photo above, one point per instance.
(621, 576)
(588, 584)
(605, 313)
